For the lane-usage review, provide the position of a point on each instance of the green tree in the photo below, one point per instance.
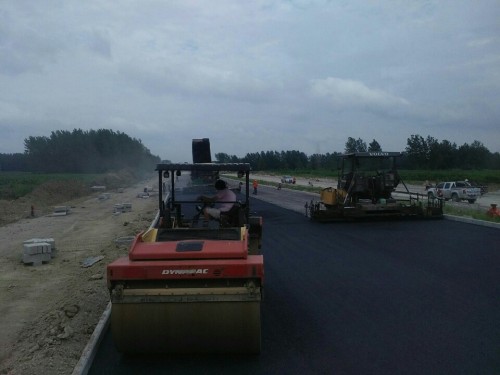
(417, 152)
(355, 145)
(374, 146)
(442, 155)
(474, 156)
(87, 151)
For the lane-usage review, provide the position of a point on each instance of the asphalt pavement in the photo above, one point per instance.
(373, 297)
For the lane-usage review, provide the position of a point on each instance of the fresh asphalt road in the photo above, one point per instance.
(381, 297)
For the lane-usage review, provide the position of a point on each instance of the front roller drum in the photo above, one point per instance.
(187, 327)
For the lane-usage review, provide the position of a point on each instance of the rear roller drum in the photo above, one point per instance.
(196, 327)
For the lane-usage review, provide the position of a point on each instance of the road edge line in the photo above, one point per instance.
(470, 220)
(88, 354)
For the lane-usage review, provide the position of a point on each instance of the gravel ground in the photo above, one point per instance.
(49, 311)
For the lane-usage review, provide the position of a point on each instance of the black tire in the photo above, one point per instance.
(472, 201)
(455, 198)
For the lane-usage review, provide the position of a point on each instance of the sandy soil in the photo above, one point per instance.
(49, 311)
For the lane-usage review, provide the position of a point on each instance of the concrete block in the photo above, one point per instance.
(37, 248)
(31, 249)
(36, 259)
(48, 246)
(118, 208)
(48, 240)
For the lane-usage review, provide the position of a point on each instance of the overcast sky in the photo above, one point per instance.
(251, 75)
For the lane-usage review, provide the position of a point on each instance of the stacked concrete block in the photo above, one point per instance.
(49, 241)
(38, 250)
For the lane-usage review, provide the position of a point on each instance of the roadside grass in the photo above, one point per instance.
(474, 213)
(482, 177)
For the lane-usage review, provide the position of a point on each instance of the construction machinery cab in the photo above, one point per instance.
(179, 207)
(368, 175)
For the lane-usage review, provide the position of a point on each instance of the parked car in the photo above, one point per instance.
(287, 179)
(455, 190)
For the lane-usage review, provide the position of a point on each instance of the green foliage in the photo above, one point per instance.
(355, 145)
(94, 151)
(427, 154)
(374, 146)
(13, 162)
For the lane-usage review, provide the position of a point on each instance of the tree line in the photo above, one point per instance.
(420, 154)
(79, 151)
(103, 150)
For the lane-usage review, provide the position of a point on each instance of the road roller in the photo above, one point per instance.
(192, 284)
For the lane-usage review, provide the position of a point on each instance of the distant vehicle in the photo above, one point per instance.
(287, 179)
(455, 190)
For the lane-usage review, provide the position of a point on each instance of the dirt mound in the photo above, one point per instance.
(41, 200)
(44, 197)
(53, 192)
(114, 180)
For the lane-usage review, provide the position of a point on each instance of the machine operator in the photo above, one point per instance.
(224, 195)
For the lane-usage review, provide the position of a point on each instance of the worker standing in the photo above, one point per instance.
(255, 185)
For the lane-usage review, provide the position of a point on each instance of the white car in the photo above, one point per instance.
(287, 179)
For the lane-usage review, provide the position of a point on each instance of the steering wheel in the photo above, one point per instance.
(201, 208)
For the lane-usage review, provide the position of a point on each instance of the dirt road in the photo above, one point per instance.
(49, 311)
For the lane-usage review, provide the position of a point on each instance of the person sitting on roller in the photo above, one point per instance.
(224, 196)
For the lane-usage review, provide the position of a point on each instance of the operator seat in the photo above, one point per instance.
(235, 217)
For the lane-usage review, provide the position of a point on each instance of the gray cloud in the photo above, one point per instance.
(252, 76)
(354, 94)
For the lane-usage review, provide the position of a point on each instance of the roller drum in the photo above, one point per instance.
(191, 327)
